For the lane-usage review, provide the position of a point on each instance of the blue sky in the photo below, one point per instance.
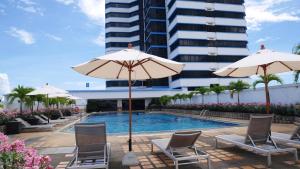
(40, 40)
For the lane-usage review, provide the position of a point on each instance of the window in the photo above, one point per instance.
(121, 44)
(121, 15)
(207, 28)
(120, 5)
(194, 74)
(121, 34)
(237, 2)
(122, 83)
(121, 24)
(208, 43)
(207, 58)
(201, 12)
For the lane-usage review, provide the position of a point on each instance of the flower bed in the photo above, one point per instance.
(250, 108)
(16, 156)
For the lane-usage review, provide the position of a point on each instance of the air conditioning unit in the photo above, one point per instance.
(212, 54)
(213, 69)
(210, 9)
(211, 38)
(210, 23)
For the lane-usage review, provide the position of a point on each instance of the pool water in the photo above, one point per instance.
(117, 123)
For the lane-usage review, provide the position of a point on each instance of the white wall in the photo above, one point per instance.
(284, 94)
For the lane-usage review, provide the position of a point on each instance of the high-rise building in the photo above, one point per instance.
(204, 34)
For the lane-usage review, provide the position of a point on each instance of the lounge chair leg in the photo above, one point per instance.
(176, 164)
(151, 148)
(216, 143)
(269, 160)
(296, 155)
(208, 162)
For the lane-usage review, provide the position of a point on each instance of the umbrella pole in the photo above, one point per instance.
(266, 90)
(129, 108)
(47, 98)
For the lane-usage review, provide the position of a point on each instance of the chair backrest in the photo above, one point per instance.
(296, 134)
(40, 119)
(90, 136)
(23, 122)
(259, 129)
(183, 139)
(61, 114)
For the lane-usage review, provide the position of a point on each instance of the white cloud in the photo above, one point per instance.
(2, 9)
(261, 40)
(29, 6)
(21, 34)
(268, 11)
(66, 2)
(93, 9)
(53, 37)
(2, 12)
(100, 40)
(4, 84)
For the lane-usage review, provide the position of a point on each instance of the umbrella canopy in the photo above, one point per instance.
(273, 62)
(47, 90)
(129, 64)
(263, 62)
(59, 95)
(75, 98)
(143, 66)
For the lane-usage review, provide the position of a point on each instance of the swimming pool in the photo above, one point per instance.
(117, 123)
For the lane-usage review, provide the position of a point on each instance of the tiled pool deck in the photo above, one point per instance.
(60, 146)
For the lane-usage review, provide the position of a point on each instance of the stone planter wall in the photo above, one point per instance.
(236, 115)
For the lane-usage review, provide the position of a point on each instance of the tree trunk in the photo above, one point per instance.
(37, 107)
(238, 95)
(218, 99)
(202, 99)
(21, 107)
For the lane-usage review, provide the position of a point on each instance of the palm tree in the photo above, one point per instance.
(296, 50)
(266, 80)
(237, 87)
(202, 91)
(39, 99)
(218, 90)
(29, 102)
(190, 96)
(164, 100)
(177, 96)
(20, 93)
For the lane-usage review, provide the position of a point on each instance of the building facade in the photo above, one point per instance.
(204, 34)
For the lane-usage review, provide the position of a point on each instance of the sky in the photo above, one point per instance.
(40, 40)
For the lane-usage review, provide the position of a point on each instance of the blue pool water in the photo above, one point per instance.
(117, 123)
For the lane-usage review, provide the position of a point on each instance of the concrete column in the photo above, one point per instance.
(147, 102)
(119, 105)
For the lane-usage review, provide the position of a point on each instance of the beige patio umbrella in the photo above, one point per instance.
(129, 64)
(47, 90)
(263, 62)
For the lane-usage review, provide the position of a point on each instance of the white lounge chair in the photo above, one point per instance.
(287, 139)
(181, 148)
(27, 126)
(92, 149)
(257, 139)
(43, 119)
